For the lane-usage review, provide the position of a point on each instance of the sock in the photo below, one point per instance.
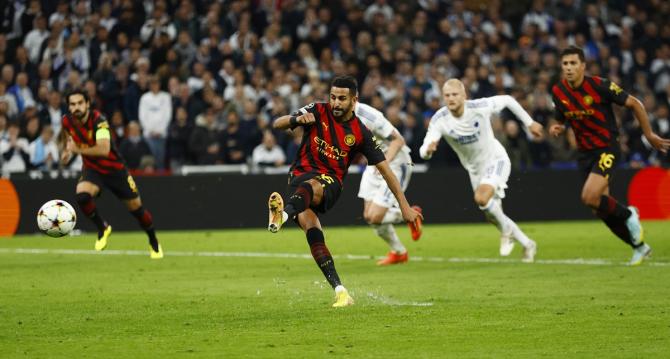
(87, 205)
(518, 234)
(614, 214)
(388, 234)
(493, 212)
(611, 207)
(146, 222)
(322, 257)
(393, 215)
(618, 227)
(300, 200)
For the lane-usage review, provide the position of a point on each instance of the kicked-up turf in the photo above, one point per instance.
(249, 293)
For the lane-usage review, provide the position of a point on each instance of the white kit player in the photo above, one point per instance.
(381, 209)
(466, 126)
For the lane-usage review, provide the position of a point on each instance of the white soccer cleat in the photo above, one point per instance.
(529, 252)
(634, 226)
(506, 244)
(639, 254)
(506, 239)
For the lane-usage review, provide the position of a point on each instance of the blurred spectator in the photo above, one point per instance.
(35, 38)
(179, 134)
(204, 140)
(516, 145)
(233, 140)
(9, 99)
(53, 113)
(135, 149)
(43, 151)
(14, 150)
(155, 114)
(268, 154)
(22, 93)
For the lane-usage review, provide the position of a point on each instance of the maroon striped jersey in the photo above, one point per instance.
(588, 110)
(83, 135)
(329, 146)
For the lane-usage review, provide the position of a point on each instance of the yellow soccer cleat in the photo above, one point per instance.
(156, 255)
(101, 243)
(275, 212)
(343, 299)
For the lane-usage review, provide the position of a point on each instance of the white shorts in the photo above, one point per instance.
(374, 188)
(494, 173)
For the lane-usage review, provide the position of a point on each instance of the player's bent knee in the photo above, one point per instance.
(481, 199)
(83, 198)
(590, 199)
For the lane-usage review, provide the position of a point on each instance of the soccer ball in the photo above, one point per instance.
(56, 218)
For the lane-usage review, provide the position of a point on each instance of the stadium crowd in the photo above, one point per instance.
(199, 82)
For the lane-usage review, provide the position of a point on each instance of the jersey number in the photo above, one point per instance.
(131, 183)
(606, 161)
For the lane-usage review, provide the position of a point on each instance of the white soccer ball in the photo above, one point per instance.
(56, 218)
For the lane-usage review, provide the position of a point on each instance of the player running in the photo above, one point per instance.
(585, 103)
(86, 132)
(380, 208)
(333, 136)
(466, 126)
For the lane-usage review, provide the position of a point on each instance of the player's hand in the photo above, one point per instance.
(306, 119)
(537, 130)
(556, 130)
(71, 146)
(65, 156)
(658, 142)
(410, 215)
(432, 147)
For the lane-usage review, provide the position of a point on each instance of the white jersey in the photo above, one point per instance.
(375, 121)
(471, 135)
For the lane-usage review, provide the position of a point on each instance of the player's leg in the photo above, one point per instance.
(623, 221)
(376, 216)
(488, 196)
(87, 189)
(145, 219)
(306, 194)
(377, 213)
(309, 222)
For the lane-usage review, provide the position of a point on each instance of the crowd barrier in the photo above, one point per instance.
(229, 200)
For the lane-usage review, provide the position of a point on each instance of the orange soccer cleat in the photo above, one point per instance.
(393, 258)
(416, 226)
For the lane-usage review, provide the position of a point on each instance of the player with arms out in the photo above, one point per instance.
(333, 136)
(466, 126)
(86, 132)
(380, 208)
(585, 104)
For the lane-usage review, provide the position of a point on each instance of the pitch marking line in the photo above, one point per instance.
(575, 261)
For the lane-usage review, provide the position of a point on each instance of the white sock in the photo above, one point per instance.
(393, 215)
(388, 234)
(494, 213)
(519, 235)
(339, 289)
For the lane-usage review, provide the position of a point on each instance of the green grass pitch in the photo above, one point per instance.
(249, 293)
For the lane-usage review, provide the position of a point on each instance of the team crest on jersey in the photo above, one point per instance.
(615, 88)
(588, 100)
(349, 140)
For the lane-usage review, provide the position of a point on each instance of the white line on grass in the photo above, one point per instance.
(574, 261)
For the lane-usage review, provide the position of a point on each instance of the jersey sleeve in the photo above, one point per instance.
(370, 148)
(433, 134)
(376, 121)
(102, 129)
(613, 92)
(498, 103)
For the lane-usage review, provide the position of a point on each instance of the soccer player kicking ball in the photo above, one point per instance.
(333, 136)
(585, 103)
(466, 126)
(86, 132)
(380, 208)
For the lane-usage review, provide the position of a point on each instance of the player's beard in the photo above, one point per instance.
(79, 115)
(342, 112)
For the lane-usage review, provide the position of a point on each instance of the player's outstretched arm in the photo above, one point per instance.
(640, 113)
(395, 144)
(431, 140)
(292, 121)
(513, 105)
(409, 214)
